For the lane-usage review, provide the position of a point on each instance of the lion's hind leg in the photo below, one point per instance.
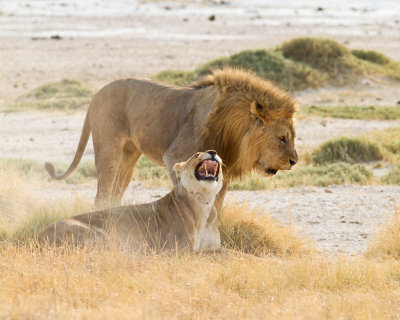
(108, 159)
(130, 157)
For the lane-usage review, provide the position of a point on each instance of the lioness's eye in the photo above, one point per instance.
(283, 139)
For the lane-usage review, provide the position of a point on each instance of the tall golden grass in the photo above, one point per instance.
(386, 243)
(265, 271)
(102, 284)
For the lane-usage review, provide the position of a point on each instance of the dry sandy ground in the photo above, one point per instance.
(102, 40)
(105, 40)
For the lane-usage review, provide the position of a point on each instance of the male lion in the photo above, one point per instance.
(186, 217)
(245, 118)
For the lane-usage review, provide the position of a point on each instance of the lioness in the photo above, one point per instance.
(177, 220)
(245, 118)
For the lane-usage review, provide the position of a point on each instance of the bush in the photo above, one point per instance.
(393, 177)
(270, 65)
(371, 56)
(323, 54)
(350, 150)
(298, 64)
(250, 232)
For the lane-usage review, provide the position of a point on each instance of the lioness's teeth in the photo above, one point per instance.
(206, 173)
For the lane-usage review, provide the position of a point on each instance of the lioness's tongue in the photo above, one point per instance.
(210, 165)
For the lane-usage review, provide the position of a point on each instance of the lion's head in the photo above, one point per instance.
(251, 125)
(201, 174)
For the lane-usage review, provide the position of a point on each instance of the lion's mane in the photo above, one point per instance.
(226, 127)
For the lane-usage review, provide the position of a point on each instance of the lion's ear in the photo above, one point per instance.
(257, 112)
(178, 167)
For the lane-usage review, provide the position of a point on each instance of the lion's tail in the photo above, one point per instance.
(78, 154)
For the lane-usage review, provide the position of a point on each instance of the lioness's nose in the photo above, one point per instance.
(212, 152)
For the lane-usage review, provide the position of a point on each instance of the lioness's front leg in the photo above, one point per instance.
(210, 238)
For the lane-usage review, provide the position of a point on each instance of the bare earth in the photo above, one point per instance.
(101, 41)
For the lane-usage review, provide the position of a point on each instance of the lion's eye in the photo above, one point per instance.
(258, 106)
(283, 139)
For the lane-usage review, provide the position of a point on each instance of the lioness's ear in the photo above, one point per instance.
(178, 168)
(256, 112)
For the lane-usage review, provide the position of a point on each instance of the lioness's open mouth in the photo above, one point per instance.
(207, 170)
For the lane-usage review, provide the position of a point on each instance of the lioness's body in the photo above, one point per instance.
(239, 115)
(176, 221)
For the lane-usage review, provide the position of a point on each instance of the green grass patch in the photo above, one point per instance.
(151, 174)
(352, 112)
(389, 140)
(350, 150)
(393, 176)
(64, 95)
(319, 176)
(298, 64)
(371, 56)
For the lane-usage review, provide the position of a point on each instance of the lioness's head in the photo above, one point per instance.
(201, 174)
(251, 125)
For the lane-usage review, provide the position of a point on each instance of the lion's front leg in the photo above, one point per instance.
(184, 146)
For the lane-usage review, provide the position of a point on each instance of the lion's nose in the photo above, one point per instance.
(212, 152)
(292, 162)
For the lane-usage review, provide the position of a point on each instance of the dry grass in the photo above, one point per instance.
(252, 232)
(386, 243)
(102, 284)
(292, 282)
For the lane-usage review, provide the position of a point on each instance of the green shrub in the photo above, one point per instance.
(319, 176)
(322, 176)
(177, 77)
(270, 65)
(323, 54)
(371, 56)
(350, 150)
(393, 176)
